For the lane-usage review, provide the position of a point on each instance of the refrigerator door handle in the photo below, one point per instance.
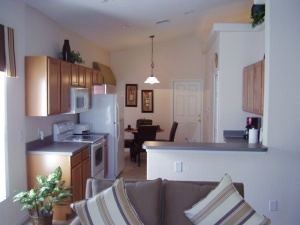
(117, 122)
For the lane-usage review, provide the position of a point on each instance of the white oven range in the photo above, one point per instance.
(63, 132)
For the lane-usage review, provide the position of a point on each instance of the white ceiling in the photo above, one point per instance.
(118, 24)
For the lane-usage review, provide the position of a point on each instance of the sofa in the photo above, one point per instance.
(159, 202)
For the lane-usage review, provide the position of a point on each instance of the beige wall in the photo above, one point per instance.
(175, 59)
(35, 34)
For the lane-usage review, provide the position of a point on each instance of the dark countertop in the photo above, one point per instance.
(61, 148)
(195, 146)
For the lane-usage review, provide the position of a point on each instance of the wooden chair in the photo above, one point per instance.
(130, 142)
(172, 133)
(145, 133)
(141, 122)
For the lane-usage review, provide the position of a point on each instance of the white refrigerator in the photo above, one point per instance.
(105, 117)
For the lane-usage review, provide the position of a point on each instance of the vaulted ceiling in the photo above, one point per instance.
(118, 24)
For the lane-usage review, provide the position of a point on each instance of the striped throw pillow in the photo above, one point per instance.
(224, 206)
(109, 207)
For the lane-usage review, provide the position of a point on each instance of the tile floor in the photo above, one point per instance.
(131, 171)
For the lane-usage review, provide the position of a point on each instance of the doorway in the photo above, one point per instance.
(187, 110)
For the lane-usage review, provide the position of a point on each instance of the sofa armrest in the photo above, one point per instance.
(75, 221)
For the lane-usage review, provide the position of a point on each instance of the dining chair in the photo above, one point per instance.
(141, 122)
(144, 133)
(129, 143)
(172, 133)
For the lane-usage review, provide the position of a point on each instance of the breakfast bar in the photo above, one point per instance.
(202, 161)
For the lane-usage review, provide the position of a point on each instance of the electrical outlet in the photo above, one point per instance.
(273, 205)
(178, 166)
(40, 134)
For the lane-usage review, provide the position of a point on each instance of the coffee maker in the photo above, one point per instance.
(252, 122)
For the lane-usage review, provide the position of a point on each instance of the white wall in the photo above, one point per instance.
(236, 50)
(282, 100)
(209, 89)
(34, 35)
(273, 175)
(174, 60)
(261, 173)
(45, 37)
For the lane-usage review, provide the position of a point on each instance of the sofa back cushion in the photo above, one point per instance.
(145, 196)
(180, 196)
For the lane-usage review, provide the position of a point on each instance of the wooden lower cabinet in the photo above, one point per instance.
(76, 178)
(86, 173)
(76, 170)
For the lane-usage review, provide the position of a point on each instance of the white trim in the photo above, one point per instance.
(3, 139)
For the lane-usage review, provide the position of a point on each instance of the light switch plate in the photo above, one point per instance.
(178, 166)
(273, 205)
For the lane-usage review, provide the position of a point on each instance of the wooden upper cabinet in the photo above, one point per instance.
(53, 86)
(89, 83)
(81, 76)
(48, 82)
(75, 76)
(42, 85)
(253, 88)
(97, 77)
(88, 78)
(258, 89)
(245, 88)
(66, 76)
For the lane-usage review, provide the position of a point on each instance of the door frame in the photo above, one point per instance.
(200, 81)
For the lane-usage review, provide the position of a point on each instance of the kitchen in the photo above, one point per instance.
(92, 147)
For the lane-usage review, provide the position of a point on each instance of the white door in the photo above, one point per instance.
(187, 108)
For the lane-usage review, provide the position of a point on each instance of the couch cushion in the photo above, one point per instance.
(110, 206)
(224, 205)
(180, 196)
(145, 197)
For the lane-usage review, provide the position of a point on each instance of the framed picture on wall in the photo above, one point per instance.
(131, 95)
(147, 101)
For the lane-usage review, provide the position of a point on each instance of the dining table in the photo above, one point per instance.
(135, 130)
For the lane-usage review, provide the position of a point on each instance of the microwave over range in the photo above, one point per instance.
(80, 98)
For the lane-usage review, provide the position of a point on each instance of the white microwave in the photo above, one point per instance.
(80, 100)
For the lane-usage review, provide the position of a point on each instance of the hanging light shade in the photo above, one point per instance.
(152, 79)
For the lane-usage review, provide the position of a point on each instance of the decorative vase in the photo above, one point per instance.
(42, 220)
(66, 51)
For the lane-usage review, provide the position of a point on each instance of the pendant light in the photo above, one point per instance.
(152, 79)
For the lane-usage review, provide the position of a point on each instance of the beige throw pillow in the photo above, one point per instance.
(109, 207)
(224, 206)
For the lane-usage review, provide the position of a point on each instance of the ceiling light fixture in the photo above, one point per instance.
(152, 79)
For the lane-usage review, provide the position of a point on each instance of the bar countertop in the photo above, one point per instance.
(196, 146)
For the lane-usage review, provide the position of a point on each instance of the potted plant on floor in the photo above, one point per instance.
(39, 201)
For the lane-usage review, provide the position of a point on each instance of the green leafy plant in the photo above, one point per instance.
(75, 57)
(49, 192)
(257, 14)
